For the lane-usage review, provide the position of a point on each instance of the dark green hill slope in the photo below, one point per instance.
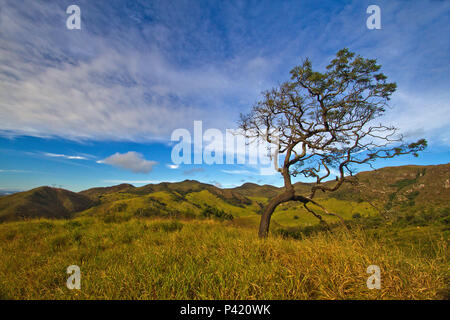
(42, 202)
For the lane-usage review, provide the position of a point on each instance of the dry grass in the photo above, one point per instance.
(165, 259)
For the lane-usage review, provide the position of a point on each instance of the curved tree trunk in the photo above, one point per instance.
(270, 208)
(289, 195)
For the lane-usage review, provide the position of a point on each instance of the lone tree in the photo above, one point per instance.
(323, 123)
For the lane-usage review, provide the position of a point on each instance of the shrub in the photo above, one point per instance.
(46, 225)
(146, 212)
(211, 212)
(73, 224)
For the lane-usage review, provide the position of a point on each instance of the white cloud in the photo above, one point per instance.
(129, 84)
(421, 115)
(237, 171)
(131, 160)
(82, 86)
(216, 184)
(56, 155)
(172, 166)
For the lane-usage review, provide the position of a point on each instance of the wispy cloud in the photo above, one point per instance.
(216, 184)
(427, 115)
(56, 155)
(121, 86)
(193, 171)
(132, 161)
(172, 166)
(237, 171)
(14, 171)
(138, 72)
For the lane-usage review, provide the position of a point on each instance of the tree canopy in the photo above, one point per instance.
(324, 122)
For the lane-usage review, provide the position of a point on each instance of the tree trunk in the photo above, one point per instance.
(270, 208)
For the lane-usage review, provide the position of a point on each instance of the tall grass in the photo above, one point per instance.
(208, 259)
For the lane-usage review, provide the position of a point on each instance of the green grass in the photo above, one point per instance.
(285, 214)
(123, 206)
(190, 240)
(209, 259)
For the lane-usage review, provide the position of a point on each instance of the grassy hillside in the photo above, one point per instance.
(98, 193)
(255, 190)
(190, 240)
(42, 202)
(403, 186)
(209, 259)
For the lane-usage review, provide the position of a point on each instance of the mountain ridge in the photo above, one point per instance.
(394, 186)
(46, 202)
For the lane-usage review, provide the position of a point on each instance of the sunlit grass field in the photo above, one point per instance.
(209, 259)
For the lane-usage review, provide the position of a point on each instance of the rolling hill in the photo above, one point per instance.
(402, 188)
(128, 249)
(97, 193)
(42, 202)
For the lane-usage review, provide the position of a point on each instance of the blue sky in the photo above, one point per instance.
(97, 106)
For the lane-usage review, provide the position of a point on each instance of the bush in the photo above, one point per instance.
(209, 212)
(73, 224)
(46, 225)
(301, 232)
(147, 212)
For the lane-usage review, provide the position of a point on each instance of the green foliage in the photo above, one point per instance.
(164, 226)
(402, 184)
(73, 224)
(432, 218)
(210, 212)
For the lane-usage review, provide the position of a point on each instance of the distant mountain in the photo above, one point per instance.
(42, 202)
(401, 187)
(188, 186)
(390, 185)
(255, 190)
(96, 193)
(7, 192)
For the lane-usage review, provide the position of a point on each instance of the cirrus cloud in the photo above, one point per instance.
(57, 155)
